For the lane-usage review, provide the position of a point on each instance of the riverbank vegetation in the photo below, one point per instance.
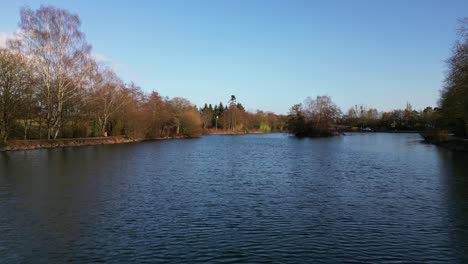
(450, 128)
(321, 117)
(454, 96)
(52, 87)
(314, 118)
(446, 122)
(361, 118)
(451, 118)
(234, 119)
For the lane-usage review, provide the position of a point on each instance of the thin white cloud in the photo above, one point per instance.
(101, 58)
(115, 66)
(3, 39)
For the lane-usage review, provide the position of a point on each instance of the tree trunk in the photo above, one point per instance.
(104, 127)
(40, 128)
(49, 127)
(56, 128)
(3, 134)
(26, 127)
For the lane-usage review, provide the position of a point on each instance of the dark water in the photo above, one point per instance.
(383, 198)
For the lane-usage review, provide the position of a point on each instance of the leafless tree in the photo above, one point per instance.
(50, 37)
(322, 112)
(108, 95)
(180, 105)
(15, 89)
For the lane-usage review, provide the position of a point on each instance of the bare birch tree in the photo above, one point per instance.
(50, 37)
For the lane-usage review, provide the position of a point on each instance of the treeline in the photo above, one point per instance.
(321, 117)
(361, 118)
(234, 118)
(51, 86)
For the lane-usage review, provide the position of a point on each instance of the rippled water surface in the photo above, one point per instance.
(256, 198)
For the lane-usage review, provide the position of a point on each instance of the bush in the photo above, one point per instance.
(265, 128)
(190, 124)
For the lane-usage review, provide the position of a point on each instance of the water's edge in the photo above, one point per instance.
(18, 145)
(15, 145)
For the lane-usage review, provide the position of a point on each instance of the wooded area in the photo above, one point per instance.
(321, 117)
(51, 86)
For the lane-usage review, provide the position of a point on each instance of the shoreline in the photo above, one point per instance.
(18, 145)
(385, 131)
(233, 133)
(457, 145)
(33, 144)
(446, 141)
(453, 144)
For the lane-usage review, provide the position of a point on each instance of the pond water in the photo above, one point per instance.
(256, 198)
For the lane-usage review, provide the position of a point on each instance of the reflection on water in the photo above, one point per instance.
(256, 198)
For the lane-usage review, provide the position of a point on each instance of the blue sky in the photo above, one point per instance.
(272, 54)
